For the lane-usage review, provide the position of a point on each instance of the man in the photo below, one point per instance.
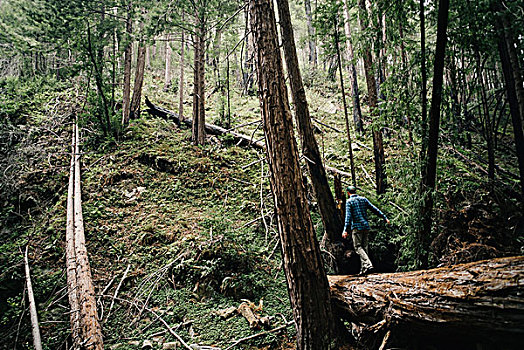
(356, 214)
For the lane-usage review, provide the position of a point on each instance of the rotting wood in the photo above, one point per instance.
(483, 300)
(72, 292)
(35, 328)
(91, 332)
(249, 315)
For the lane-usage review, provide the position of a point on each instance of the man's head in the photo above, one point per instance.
(351, 189)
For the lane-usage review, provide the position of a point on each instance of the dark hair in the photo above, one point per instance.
(351, 189)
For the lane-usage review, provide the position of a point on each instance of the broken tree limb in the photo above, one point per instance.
(482, 300)
(210, 128)
(35, 328)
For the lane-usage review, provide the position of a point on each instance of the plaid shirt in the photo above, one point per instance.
(356, 212)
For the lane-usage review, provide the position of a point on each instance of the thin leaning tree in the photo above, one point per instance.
(330, 216)
(306, 278)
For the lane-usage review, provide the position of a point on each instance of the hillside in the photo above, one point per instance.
(184, 221)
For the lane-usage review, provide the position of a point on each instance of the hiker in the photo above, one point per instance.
(356, 215)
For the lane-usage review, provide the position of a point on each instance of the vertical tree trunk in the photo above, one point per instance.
(181, 84)
(378, 147)
(332, 221)
(198, 131)
(127, 66)
(167, 72)
(35, 327)
(307, 282)
(514, 62)
(311, 34)
(339, 61)
(139, 75)
(511, 89)
(429, 170)
(104, 123)
(91, 330)
(424, 92)
(357, 113)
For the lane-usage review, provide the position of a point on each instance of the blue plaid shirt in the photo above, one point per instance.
(356, 212)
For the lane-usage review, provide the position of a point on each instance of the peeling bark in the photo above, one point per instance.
(483, 299)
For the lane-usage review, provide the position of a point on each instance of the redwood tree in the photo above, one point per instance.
(306, 278)
(326, 204)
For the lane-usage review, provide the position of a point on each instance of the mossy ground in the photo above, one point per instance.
(177, 214)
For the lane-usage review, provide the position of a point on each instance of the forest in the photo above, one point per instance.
(258, 174)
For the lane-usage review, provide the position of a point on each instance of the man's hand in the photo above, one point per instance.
(388, 222)
(345, 234)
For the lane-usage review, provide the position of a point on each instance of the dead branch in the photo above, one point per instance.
(35, 328)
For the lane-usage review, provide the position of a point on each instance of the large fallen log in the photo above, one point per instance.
(210, 128)
(483, 300)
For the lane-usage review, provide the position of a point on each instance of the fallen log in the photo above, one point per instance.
(210, 128)
(483, 300)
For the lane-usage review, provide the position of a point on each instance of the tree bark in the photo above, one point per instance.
(511, 89)
(378, 147)
(91, 330)
(481, 300)
(311, 34)
(357, 112)
(307, 282)
(139, 76)
(72, 288)
(429, 170)
(127, 66)
(332, 221)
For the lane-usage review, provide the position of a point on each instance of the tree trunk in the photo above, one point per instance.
(346, 117)
(514, 61)
(481, 300)
(104, 124)
(357, 113)
(181, 84)
(198, 129)
(307, 282)
(167, 73)
(429, 170)
(511, 88)
(72, 288)
(139, 76)
(332, 221)
(311, 34)
(424, 92)
(127, 66)
(91, 330)
(378, 147)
